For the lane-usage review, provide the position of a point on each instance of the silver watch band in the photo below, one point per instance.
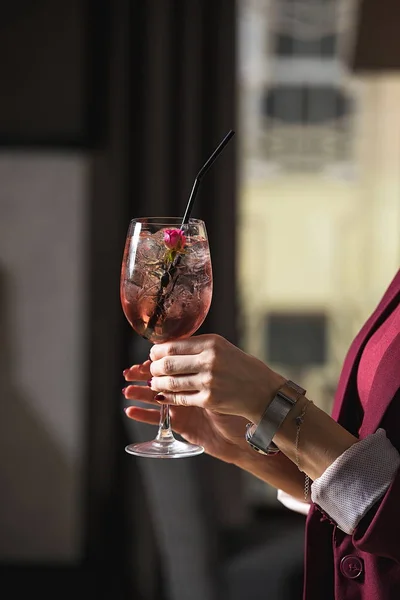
(260, 437)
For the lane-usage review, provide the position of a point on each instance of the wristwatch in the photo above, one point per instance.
(260, 436)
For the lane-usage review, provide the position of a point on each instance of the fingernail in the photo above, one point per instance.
(149, 358)
(125, 409)
(160, 397)
(149, 382)
(125, 372)
(123, 390)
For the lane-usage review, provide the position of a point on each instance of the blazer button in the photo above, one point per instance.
(351, 566)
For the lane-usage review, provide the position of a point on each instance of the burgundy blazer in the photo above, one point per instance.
(366, 564)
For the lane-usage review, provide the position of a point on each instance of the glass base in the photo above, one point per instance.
(164, 449)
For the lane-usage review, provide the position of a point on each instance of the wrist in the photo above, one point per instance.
(248, 460)
(271, 469)
(322, 440)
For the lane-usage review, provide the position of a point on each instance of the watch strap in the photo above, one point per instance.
(260, 437)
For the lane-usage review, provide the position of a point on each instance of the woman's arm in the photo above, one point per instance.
(356, 482)
(322, 440)
(209, 372)
(316, 451)
(276, 470)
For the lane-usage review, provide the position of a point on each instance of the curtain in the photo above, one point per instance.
(183, 103)
(171, 99)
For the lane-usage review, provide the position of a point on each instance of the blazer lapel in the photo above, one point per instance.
(343, 410)
(385, 385)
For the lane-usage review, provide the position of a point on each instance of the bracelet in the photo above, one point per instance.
(299, 422)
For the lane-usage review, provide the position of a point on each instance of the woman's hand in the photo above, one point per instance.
(208, 372)
(222, 436)
(218, 375)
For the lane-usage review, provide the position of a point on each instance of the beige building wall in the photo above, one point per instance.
(317, 241)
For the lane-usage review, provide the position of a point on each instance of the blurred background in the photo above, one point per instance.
(107, 111)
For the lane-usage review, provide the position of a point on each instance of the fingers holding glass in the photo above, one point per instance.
(144, 415)
(139, 372)
(140, 393)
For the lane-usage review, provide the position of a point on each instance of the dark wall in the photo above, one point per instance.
(57, 522)
(377, 41)
(134, 96)
(53, 71)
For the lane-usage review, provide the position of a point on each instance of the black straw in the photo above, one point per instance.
(200, 174)
(169, 274)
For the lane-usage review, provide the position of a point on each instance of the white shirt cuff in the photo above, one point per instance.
(357, 479)
(292, 503)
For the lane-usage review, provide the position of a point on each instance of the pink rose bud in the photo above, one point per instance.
(174, 239)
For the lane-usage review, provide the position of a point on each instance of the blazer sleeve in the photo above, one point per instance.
(379, 531)
(376, 525)
(356, 480)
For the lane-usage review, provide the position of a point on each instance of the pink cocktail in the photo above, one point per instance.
(166, 291)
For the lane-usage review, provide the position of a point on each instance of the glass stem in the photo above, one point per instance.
(164, 431)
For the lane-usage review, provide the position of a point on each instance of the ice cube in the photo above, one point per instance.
(150, 250)
(196, 255)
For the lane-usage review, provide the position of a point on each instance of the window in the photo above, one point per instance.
(305, 104)
(287, 46)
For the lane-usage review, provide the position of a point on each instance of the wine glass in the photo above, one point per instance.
(166, 290)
